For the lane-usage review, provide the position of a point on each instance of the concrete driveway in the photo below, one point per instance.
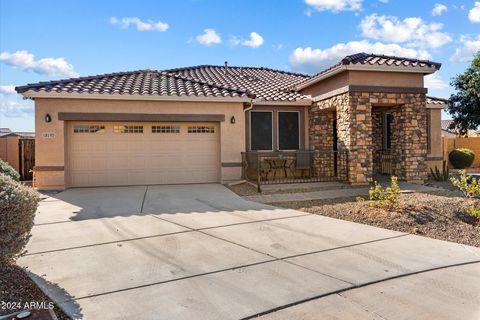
(202, 252)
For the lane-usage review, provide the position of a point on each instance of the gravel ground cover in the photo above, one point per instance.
(17, 288)
(440, 215)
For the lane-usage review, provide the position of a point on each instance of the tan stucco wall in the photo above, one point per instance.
(337, 81)
(365, 78)
(9, 151)
(435, 133)
(435, 157)
(387, 79)
(51, 152)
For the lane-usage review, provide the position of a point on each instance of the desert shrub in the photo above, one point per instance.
(438, 175)
(461, 158)
(388, 197)
(7, 169)
(470, 188)
(18, 204)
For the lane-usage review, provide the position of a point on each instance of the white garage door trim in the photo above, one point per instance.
(121, 153)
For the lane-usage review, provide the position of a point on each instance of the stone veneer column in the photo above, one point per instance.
(354, 127)
(409, 137)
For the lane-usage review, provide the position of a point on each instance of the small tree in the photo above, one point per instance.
(464, 106)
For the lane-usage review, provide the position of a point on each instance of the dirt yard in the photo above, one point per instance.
(16, 289)
(441, 215)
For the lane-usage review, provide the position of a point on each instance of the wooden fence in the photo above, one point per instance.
(472, 143)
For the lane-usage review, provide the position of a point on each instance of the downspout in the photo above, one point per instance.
(244, 165)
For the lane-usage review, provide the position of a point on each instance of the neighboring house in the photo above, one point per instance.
(191, 125)
(452, 133)
(13, 147)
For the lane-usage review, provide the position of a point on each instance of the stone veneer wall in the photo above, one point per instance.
(354, 130)
(321, 128)
(377, 138)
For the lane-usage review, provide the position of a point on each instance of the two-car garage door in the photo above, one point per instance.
(114, 154)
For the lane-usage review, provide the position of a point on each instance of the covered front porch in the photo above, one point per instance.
(384, 133)
(299, 166)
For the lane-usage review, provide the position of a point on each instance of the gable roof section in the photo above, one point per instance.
(266, 84)
(373, 62)
(199, 81)
(142, 82)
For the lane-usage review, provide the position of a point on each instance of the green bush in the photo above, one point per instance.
(461, 158)
(388, 197)
(18, 204)
(470, 188)
(7, 169)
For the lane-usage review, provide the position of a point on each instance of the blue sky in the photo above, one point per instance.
(46, 40)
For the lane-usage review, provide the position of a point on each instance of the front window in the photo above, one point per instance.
(261, 130)
(288, 130)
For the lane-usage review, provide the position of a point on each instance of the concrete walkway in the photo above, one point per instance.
(202, 252)
(333, 193)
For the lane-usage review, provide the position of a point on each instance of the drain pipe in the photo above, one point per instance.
(249, 108)
(258, 176)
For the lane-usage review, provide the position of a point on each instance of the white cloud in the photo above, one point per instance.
(314, 60)
(48, 66)
(13, 109)
(7, 90)
(254, 41)
(435, 82)
(474, 13)
(147, 25)
(413, 31)
(209, 37)
(439, 9)
(383, 1)
(335, 5)
(470, 46)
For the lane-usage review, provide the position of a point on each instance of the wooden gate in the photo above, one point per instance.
(26, 158)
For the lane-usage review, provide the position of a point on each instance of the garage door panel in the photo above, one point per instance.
(113, 158)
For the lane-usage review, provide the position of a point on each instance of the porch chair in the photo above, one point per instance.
(303, 162)
(257, 165)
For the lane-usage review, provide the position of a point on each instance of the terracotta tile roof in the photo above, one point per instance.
(202, 81)
(266, 84)
(446, 126)
(436, 101)
(377, 59)
(209, 81)
(142, 82)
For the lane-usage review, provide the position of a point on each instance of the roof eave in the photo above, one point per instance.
(73, 95)
(301, 102)
(436, 106)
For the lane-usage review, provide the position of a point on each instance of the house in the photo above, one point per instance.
(17, 149)
(202, 123)
(452, 133)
